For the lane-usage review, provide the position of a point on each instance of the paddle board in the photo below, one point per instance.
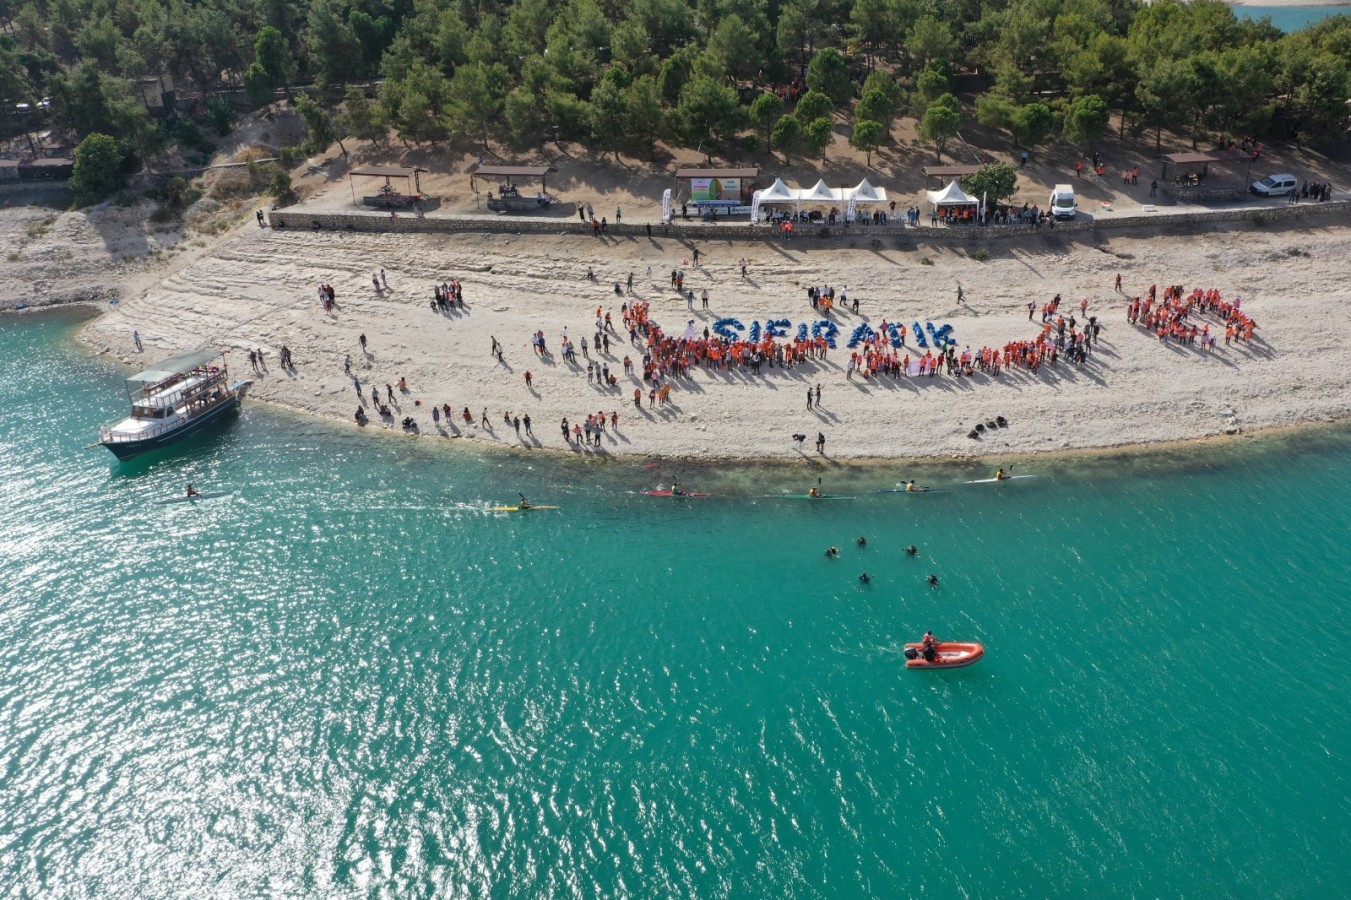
(518, 508)
(203, 495)
(998, 480)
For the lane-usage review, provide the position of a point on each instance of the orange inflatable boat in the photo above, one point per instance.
(950, 655)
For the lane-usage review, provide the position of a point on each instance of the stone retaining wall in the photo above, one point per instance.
(1326, 213)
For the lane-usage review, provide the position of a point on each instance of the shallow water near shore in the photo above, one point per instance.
(348, 678)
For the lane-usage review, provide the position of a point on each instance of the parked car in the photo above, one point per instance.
(1275, 186)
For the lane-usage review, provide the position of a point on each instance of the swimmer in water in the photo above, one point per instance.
(933, 580)
(865, 578)
(912, 550)
(832, 552)
(861, 541)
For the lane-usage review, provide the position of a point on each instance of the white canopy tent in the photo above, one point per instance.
(778, 193)
(864, 192)
(819, 193)
(952, 195)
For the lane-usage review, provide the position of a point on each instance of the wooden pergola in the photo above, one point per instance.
(389, 173)
(943, 174)
(510, 172)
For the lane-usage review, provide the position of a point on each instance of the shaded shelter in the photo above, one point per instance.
(388, 197)
(1187, 176)
(509, 197)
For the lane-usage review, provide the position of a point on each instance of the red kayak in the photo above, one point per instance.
(671, 494)
(950, 655)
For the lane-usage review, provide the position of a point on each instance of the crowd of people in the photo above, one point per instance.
(1170, 317)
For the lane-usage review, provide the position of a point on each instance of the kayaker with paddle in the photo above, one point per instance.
(192, 491)
(525, 504)
(676, 489)
(1000, 476)
(814, 493)
(912, 488)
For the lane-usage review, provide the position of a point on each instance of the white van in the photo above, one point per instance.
(1275, 186)
(1062, 201)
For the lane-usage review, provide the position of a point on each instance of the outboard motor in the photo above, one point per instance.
(911, 653)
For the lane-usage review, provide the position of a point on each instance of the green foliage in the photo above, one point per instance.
(1086, 120)
(360, 117)
(931, 41)
(525, 70)
(942, 120)
(98, 169)
(750, 144)
(997, 181)
(644, 119)
(93, 103)
(477, 92)
(812, 106)
(279, 185)
(817, 136)
(322, 132)
(220, 114)
(875, 106)
(828, 73)
(707, 109)
(980, 254)
(932, 83)
(332, 45)
(1033, 124)
(787, 136)
(867, 137)
(273, 54)
(258, 84)
(765, 111)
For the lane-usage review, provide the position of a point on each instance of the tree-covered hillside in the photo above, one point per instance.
(743, 76)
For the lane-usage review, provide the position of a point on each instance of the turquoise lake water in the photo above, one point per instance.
(347, 679)
(1291, 18)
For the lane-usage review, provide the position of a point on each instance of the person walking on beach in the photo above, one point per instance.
(618, 215)
(346, 363)
(375, 280)
(384, 283)
(136, 339)
(821, 442)
(704, 297)
(818, 395)
(743, 259)
(527, 379)
(630, 284)
(809, 398)
(1118, 282)
(696, 256)
(799, 439)
(361, 339)
(960, 294)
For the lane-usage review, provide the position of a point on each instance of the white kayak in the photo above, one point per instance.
(998, 480)
(203, 495)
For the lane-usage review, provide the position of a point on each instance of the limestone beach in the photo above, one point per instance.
(259, 290)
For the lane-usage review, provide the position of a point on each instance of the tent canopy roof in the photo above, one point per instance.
(864, 192)
(950, 195)
(819, 193)
(778, 192)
